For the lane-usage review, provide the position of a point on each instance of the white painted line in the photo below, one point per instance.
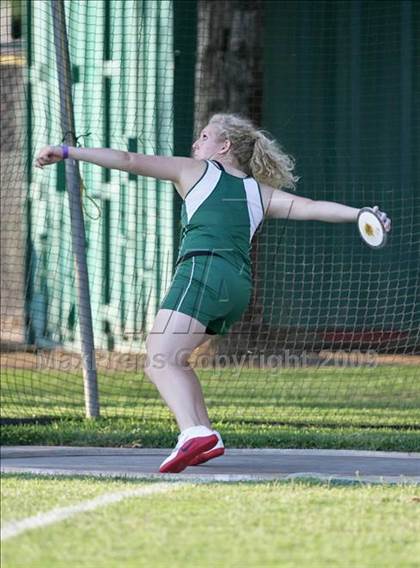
(15, 528)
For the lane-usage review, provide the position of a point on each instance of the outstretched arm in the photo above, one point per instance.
(283, 205)
(160, 167)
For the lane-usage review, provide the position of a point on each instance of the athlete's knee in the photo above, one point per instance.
(155, 360)
(162, 353)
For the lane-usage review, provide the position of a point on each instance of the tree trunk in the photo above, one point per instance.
(229, 79)
(229, 55)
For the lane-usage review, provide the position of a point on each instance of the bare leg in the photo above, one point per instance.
(173, 338)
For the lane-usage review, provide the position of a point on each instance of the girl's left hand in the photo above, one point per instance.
(385, 220)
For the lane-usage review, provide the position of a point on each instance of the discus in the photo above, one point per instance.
(371, 228)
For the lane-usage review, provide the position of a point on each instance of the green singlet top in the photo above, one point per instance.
(220, 215)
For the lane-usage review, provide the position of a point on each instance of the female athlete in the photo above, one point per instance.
(233, 181)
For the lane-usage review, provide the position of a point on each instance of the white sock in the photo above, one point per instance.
(196, 431)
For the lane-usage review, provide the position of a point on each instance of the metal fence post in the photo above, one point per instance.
(76, 212)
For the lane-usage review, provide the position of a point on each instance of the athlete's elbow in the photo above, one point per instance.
(131, 163)
(305, 210)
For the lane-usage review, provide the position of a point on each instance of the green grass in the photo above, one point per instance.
(126, 432)
(293, 524)
(360, 408)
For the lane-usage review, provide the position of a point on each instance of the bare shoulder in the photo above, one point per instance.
(191, 172)
(182, 172)
(279, 204)
(266, 195)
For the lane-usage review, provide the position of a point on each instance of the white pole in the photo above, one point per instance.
(76, 212)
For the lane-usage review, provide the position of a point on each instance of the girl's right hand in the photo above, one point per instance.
(49, 155)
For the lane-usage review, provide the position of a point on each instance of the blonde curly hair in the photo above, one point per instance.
(256, 154)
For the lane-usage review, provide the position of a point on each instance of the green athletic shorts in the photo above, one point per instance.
(211, 290)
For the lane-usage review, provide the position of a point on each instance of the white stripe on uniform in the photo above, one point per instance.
(202, 190)
(189, 284)
(255, 210)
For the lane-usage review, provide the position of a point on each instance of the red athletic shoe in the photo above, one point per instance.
(215, 452)
(191, 442)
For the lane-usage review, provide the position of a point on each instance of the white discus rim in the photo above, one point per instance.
(371, 228)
